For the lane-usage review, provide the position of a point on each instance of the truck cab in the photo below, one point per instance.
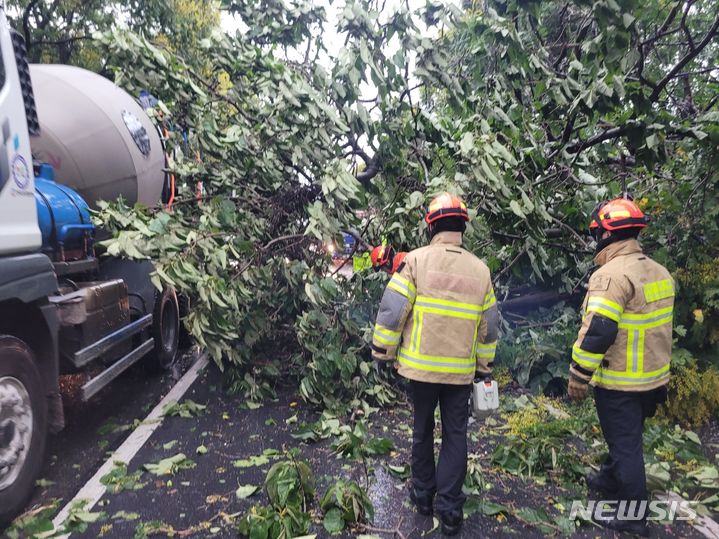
(62, 308)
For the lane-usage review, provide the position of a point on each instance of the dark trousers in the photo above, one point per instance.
(621, 416)
(447, 479)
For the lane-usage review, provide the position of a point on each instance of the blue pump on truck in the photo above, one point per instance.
(68, 139)
(63, 216)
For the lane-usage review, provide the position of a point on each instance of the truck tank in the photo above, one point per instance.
(97, 138)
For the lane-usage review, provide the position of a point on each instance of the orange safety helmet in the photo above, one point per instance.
(381, 255)
(398, 260)
(617, 214)
(446, 205)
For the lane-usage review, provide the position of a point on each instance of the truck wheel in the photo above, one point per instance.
(186, 340)
(165, 330)
(23, 426)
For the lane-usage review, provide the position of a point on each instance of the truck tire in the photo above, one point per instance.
(165, 330)
(23, 426)
(186, 340)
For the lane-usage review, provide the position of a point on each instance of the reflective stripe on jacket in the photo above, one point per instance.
(438, 315)
(634, 296)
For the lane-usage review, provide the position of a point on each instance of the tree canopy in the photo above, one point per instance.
(533, 111)
(62, 31)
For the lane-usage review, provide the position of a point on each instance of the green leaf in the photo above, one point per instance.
(44, 483)
(124, 515)
(399, 471)
(259, 460)
(658, 475)
(187, 409)
(333, 521)
(706, 475)
(491, 508)
(516, 209)
(628, 20)
(466, 144)
(692, 436)
(245, 491)
(170, 465)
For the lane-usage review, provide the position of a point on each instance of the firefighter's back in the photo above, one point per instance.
(453, 286)
(639, 358)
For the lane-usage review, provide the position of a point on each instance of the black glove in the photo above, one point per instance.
(381, 366)
(482, 376)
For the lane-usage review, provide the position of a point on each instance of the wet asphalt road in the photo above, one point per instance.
(96, 428)
(200, 502)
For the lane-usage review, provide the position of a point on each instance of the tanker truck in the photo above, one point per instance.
(69, 138)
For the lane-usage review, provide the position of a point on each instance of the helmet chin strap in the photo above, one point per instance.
(598, 232)
(613, 237)
(602, 243)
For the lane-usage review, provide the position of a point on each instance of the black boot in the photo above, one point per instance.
(423, 503)
(632, 527)
(598, 483)
(451, 522)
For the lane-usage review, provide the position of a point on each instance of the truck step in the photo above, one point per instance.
(114, 370)
(96, 349)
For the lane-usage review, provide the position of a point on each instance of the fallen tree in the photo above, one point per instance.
(532, 111)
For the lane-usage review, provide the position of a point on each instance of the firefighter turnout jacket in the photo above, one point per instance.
(438, 315)
(625, 341)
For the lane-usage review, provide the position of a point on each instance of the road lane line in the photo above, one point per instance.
(93, 490)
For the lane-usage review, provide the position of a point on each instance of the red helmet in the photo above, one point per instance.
(381, 255)
(617, 214)
(398, 260)
(446, 205)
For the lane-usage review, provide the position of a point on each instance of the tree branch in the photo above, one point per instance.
(581, 145)
(663, 28)
(571, 231)
(282, 238)
(688, 57)
(712, 102)
(62, 41)
(367, 174)
(510, 265)
(372, 165)
(565, 45)
(26, 24)
(568, 129)
(683, 25)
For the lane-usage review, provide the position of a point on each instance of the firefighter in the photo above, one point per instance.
(383, 258)
(623, 351)
(438, 320)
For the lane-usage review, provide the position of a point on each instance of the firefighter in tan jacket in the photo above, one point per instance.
(438, 320)
(623, 350)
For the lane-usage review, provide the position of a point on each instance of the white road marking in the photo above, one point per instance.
(93, 490)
